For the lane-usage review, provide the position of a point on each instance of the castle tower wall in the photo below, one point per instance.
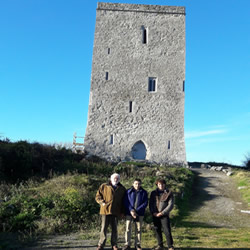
(136, 106)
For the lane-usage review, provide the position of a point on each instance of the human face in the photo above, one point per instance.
(116, 179)
(161, 186)
(136, 185)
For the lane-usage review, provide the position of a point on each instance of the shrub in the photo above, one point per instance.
(247, 161)
(22, 160)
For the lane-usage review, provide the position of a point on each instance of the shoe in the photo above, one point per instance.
(115, 248)
(126, 247)
(138, 247)
(159, 247)
(99, 248)
(171, 248)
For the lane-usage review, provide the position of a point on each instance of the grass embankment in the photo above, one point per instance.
(242, 178)
(66, 202)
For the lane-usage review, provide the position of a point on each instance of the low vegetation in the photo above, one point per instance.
(46, 190)
(242, 178)
(66, 202)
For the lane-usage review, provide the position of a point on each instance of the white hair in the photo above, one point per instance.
(112, 177)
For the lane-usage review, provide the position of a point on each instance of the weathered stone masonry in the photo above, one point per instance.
(136, 106)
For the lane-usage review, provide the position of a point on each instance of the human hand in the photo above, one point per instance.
(103, 204)
(159, 215)
(133, 214)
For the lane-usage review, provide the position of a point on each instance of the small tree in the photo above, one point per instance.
(247, 161)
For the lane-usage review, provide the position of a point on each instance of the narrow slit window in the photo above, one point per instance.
(183, 87)
(152, 84)
(108, 50)
(144, 35)
(111, 139)
(107, 76)
(168, 144)
(130, 106)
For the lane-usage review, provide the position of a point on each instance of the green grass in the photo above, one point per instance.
(202, 237)
(242, 178)
(211, 237)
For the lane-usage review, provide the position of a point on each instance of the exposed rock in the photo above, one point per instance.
(219, 168)
(245, 211)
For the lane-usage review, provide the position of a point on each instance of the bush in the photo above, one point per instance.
(60, 204)
(22, 160)
(247, 162)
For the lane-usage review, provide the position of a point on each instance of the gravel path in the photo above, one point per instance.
(215, 201)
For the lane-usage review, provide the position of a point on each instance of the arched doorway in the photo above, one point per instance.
(139, 151)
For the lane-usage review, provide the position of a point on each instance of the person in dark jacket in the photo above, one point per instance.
(160, 205)
(110, 197)
(135, 201)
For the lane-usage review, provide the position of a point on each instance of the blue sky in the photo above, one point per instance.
(45, 67)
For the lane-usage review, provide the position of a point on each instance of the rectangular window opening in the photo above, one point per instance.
(183, 87)
(108, 50)
(111, 139)
(152, 84)
(107, 76)
(168, 144)
(130, 106)
(144, 35)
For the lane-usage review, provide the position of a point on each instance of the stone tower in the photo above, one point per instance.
(136, 106)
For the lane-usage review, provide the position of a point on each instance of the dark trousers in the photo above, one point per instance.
(106, 221)
(163, 223)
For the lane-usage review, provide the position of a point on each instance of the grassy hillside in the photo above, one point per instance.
(66, 202)
(44, 190)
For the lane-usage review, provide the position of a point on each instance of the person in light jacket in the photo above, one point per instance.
(160, 205)
(110, 197)
(135, 201)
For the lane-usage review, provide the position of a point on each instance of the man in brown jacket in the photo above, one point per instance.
(110, 197)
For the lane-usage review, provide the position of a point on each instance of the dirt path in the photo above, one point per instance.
(215, 202)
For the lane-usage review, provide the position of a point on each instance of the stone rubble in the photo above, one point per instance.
(227, 170)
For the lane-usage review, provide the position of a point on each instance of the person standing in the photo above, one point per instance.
(160, 204)
(135, 201)
(110, 198)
